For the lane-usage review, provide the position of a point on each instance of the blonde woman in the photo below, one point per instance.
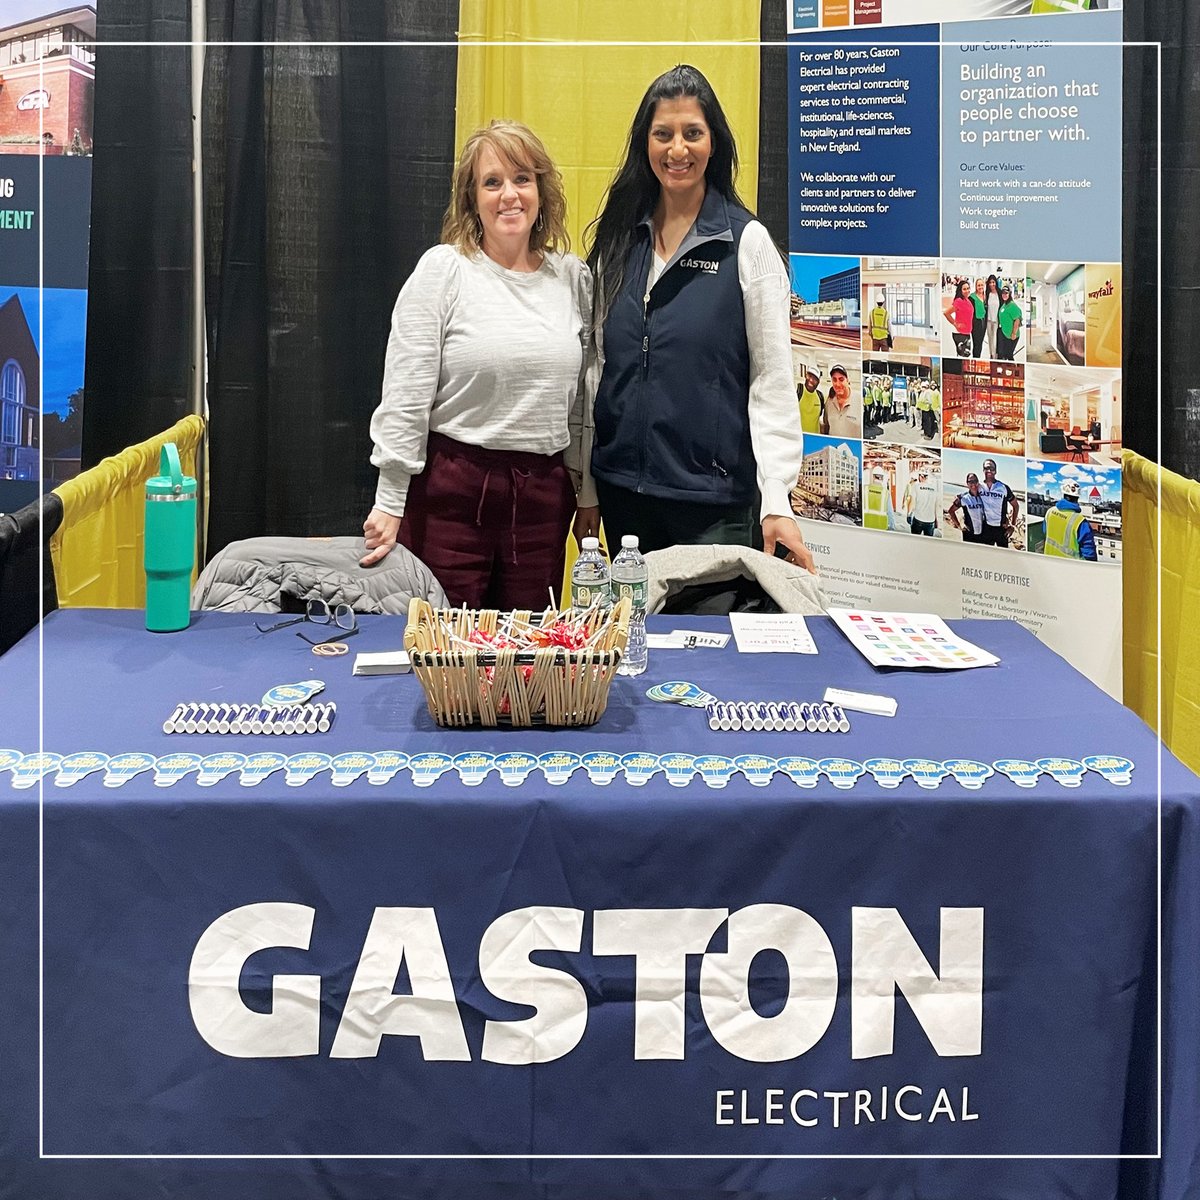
(481, 386)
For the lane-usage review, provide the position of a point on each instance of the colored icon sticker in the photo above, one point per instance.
(346, 768)
(639, 767)
(804, 772)
(33, 767)
(9, 759)
(428, 767)
(261, 764)
(887, 772)
(928, 772)
(841, 772)
(756, 767)
(171, 768)
(386, 766)
(558, 765)
(678, 768)
(1066, 771)
(1112, 767)
(715, 769)
(1020, 770)
(514, 767)
(601, 766)
(218, 766)
(124, 766)
(968, 772)
(304, 766)
(473, 766)
(77, 766)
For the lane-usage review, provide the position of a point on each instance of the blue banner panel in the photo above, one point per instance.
(1031, 127)
(863, 164)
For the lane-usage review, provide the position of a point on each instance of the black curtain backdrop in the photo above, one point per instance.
(327, 170)
(139, 277)
(772, 122)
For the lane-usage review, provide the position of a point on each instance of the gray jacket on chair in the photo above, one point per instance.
(252, 576)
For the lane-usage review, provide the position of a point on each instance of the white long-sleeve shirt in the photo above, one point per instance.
(483, 355)
(775, 435)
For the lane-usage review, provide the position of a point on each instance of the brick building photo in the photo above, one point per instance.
(20, 385)
(47, 82)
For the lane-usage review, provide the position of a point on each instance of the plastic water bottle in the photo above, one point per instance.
(589, 577)
(629, 579)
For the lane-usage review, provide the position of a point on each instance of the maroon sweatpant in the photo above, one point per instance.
(490, 524)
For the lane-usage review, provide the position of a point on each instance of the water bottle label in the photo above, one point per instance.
(582, 597)
(635, 591)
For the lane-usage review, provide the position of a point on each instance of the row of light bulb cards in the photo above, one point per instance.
(285, 708)
(556, 766)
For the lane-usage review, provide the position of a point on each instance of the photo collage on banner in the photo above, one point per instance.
(47, 86)
(956, 308)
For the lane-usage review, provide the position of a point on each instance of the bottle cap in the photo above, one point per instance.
(629, 541)
(590, 543)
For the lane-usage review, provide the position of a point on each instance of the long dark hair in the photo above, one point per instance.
(634, 190)
(993, 284)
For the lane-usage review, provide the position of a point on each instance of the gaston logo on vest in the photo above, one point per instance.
(707, 265)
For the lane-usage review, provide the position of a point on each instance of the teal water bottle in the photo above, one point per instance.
(170, 544)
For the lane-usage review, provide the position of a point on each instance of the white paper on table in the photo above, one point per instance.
(904, 639)
(683, 639)
(771, 633)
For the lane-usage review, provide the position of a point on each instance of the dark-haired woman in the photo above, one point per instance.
(961, 315)
(696, 439)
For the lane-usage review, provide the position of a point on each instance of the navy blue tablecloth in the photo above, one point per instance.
(1069, 882)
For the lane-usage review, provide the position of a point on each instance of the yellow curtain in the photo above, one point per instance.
(579, 99)
(1177, 578)
(97, 551)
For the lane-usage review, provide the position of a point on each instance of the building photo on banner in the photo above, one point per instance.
(47, 86)
(388, 807)
(990, 338)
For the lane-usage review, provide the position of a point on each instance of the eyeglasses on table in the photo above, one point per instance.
(318, 612)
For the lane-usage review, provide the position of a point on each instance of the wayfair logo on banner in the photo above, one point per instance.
(947, 1003)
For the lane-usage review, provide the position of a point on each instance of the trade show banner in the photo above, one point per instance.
(47, 79)
(955, 238)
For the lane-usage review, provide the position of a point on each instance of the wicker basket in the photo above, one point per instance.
(490, 687)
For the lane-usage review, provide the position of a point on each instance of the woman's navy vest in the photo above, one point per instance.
(672, 410)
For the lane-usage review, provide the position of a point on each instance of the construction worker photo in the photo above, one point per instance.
(879, 325)
(1068, 532)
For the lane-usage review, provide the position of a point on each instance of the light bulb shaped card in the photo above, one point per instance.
(602, 766)
(968, 772)
(1021, 771)
(77, 766)
(387, 764)
(9, 759)
(1112, 767)
(171, 768)
(804, 772)
(678, 768)
(217, 766)
(124, 766)
(473, 766)
(757, 768)
(679, 691)
(346, 768)
(639, 767)
(715, 769)
(841, 772)
(283, 695)
(305, 765)
(260, 765)
(33, 767)
(928, 772)
(515, 766)
(1067, 771)
(558, 765)
(428, 767)
(887, 772)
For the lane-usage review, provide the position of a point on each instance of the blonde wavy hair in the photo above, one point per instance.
(461, 226)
